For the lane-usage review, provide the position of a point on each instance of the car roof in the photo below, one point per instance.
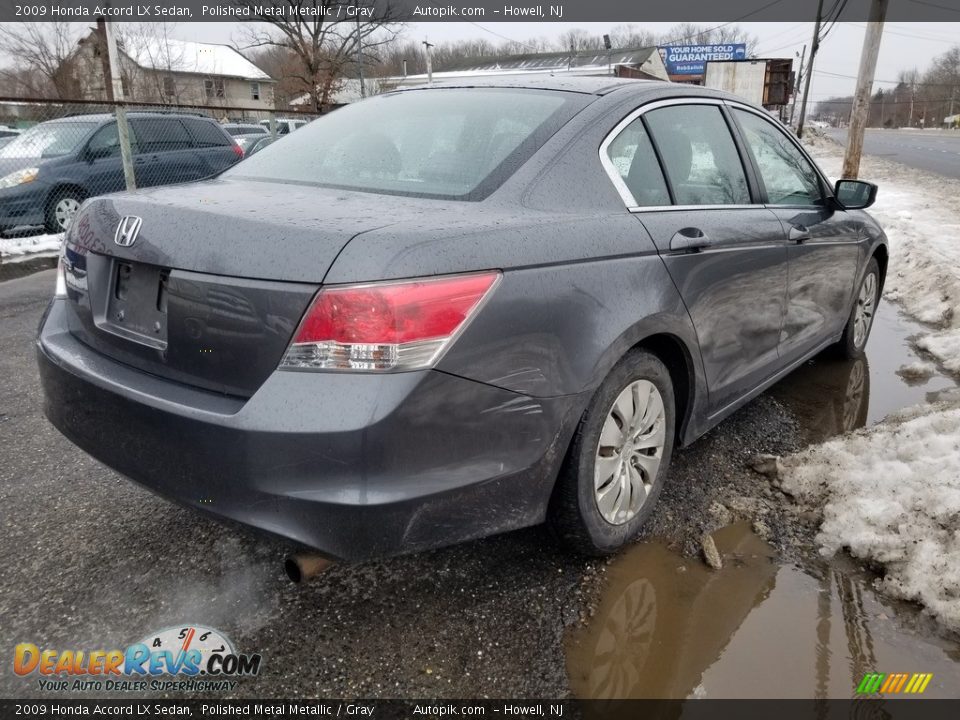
(103, 117)
(590, 85)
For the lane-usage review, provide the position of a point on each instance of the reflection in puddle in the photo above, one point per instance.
(830, 396)
(668, 627)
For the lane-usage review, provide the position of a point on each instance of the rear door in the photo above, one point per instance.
(213, 146)
(165, 152)
(725, 252)
(823, 241)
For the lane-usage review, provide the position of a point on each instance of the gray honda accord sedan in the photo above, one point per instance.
(448, 312)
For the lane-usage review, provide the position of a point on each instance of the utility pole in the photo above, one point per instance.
(104, 58)
(793, 108)
(428, 46)
(123, 132)
(861, 98)
(813, 56)
(363, 90)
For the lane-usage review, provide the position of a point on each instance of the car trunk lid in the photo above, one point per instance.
(214, 284)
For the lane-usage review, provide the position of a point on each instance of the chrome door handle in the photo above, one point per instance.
(798, 233)
(689, 239)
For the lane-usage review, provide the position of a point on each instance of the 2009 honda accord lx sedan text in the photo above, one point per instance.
(455, 311)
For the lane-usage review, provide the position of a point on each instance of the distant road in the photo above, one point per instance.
(932, 150)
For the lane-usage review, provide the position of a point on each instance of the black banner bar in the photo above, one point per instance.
(487, 11)
(870, 708)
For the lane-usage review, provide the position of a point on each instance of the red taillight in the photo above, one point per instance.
(385, 326)
(238, 151)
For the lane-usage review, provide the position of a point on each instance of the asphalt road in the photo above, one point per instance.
(935, 151)
(90, 560)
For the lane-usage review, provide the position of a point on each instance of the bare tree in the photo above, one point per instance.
(630, 36)
(323, 43)
(42, 55)
(578, 39)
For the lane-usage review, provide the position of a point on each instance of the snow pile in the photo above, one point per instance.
(32, 244)
(891, 496)
(920, 213)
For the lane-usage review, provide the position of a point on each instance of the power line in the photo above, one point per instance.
(504, 37)
(722, 25)
(935, 5)
(890, 82)
(910, 35)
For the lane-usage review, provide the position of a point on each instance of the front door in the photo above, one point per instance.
(823, 242)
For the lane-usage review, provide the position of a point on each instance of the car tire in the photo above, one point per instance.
(857, 330)
(59, 207)
(594, 515)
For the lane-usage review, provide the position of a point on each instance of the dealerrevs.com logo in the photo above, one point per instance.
(189, 658)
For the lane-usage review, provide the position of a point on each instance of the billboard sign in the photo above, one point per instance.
(693, 59)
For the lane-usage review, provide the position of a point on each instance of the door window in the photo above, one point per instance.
(787, 175)
(106, 141)
(699, 155)
(160, 134)
(206, 133)
(632, 156)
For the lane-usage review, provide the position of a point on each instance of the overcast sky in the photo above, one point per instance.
(905, 45)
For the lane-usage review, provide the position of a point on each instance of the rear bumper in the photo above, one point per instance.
(355, 466)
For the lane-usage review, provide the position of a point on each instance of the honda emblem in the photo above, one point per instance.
(127, 231)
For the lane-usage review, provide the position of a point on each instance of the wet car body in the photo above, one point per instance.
(362, 465)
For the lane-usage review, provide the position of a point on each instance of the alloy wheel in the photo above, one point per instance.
(866, 305)
(629, 452)
(64, 211)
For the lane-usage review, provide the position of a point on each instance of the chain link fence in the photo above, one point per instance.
(54, 154)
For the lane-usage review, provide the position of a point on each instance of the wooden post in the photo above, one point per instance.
(428, 46)
(813, 56)
(861, 98)
(105, 59)
(123, 132)
(796, 89)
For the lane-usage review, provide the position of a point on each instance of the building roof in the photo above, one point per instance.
(546, 62)
(193, 57)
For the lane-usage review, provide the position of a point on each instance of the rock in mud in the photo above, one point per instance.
(768, 465)
(710, 553)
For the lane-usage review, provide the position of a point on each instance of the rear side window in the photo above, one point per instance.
(443, 143)
(206, 133)
(160, 134)
(632, 156)
(788, 177)
(699, 155)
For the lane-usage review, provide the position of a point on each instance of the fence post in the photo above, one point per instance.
(123, 132)
(273, 124)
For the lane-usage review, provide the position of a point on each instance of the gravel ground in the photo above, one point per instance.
(89, 560)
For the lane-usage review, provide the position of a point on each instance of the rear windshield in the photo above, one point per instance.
(457, 143)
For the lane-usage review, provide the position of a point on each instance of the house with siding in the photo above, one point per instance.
(175, 72)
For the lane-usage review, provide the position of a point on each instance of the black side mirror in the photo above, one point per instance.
(855, 194)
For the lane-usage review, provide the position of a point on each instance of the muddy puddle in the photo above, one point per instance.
(830, 396)
(669, 627)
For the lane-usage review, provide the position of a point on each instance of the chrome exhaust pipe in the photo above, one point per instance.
(302, 566)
